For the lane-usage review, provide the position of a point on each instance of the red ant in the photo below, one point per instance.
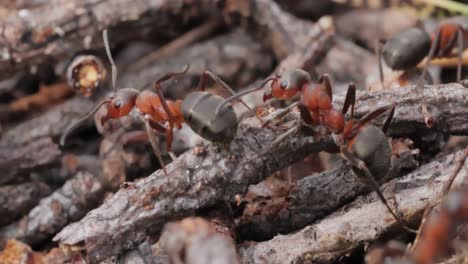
(406, 49)
(435, 237)
(196, 110)
(365, 146)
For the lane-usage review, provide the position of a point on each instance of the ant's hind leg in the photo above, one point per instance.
(369, 178)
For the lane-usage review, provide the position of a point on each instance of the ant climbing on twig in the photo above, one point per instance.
(163, 115)
(364, 146)
(408, 48)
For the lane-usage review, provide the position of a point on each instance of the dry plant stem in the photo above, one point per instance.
(16, 200)
(28, 36)
(345, 230)
(49, 124)
(22, 158)
(200, 179)
(196, 241)
(67, 204)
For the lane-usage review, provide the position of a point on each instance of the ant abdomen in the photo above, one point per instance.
(198, 109)
(406, 49)
(371, 146)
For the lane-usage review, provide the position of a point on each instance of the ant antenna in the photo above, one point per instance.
(234, 97)
(111, 60)
(63, 138)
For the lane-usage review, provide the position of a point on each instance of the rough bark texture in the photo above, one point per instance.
(20, 159)
(197, 179)
(49, 124)
(16, 200)
(70, 26)
(67, 204)
(269, 24)
(447, 105)
(197, 241)
(234, 57)
(347, 229)
(214, 174)
(311, 198)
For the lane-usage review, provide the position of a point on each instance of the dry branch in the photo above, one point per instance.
(16, 200)
(67, 204)
(206, 177)
(447, 105)
(49, 124)
(268, 23)
(197, 179)
(347, 229)
(23, 158)
(312, 198)
(30, 36)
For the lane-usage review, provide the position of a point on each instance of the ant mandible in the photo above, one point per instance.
(196, 110)
(364, 146)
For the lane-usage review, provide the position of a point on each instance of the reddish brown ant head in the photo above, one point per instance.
(289, 83)
(121, 104)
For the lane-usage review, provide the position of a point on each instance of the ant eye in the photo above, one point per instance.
(118, 104)
(284, 84)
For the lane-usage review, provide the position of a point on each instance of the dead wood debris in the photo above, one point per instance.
(309, 199)
(195, 240)
(50, 124)
(27, 35)
(268, 23)
(67, 204)
(16, 252)
(17, 160)
(346, 229)
(216, 176)
(234, 57)
(16, 200)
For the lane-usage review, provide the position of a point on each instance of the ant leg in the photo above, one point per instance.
(379, 49)
(460, 53)
(162, 99)
(369, 117)
(420, 84)
(214, 77)
(305, 118)
(325, 80)
(370, 179)
(169, 137)
(386, 125)
(280, 113)
(154, 145)
(350, 99)
(247, 91)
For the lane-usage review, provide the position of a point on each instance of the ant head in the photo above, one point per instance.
(120, 104)
(289, 83)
